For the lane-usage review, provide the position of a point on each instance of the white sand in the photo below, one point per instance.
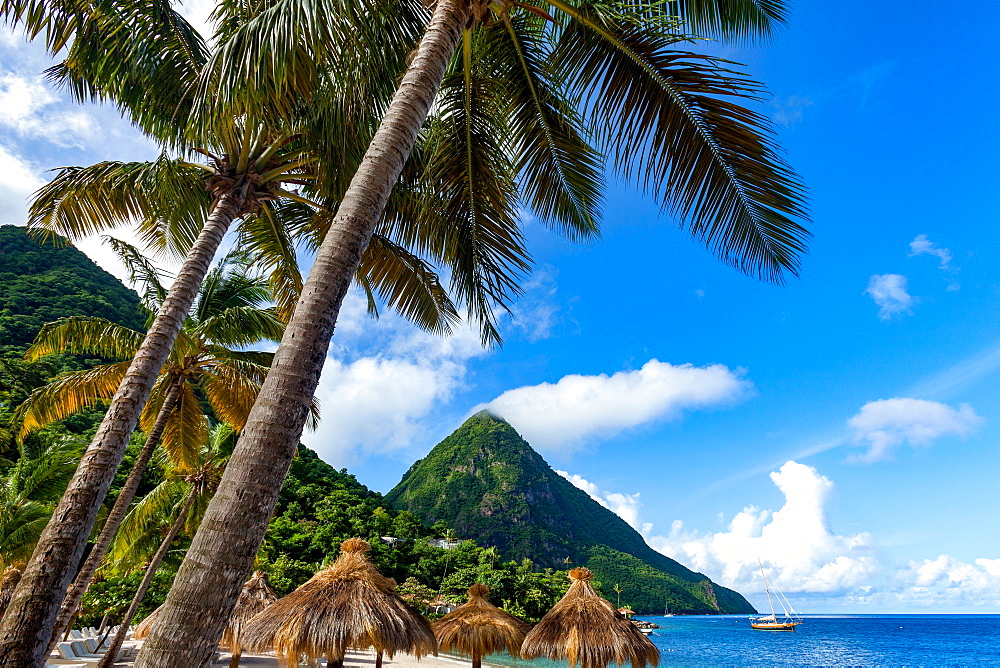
(354, 658)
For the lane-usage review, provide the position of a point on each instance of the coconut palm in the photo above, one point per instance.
(231, 312)
(585, 630)
(669, 121)
(11, 577)
(181, 497)
(255, 597)
(146, 59)
(348, 604)
(478, 628)
(28, 491)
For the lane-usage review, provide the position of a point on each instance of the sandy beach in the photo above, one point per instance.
(354, 658)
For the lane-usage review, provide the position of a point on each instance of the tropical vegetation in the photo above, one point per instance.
(538, 101)
(670, 121)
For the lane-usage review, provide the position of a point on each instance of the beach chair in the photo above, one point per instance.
(66, 652)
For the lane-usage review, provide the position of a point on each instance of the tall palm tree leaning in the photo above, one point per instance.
(231, 312)
(186, 489)
(146, 59)
(668, 119)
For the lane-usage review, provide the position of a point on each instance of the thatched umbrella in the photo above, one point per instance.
(11, 577)
(348, 604)
(585, 629)
(479, 628)
(146, 625)
(255, 597)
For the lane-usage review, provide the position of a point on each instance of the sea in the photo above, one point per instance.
(822, 640)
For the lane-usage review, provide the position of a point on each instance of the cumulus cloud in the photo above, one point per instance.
(796, 544)
(625, 506)
(18, 180)
(381, 378)
(946, 581)
(28, 108)
(888, 423)
(562, 416)
(890, 294)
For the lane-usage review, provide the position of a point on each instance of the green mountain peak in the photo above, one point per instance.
(488, 484)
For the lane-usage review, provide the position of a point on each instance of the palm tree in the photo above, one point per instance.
(146, 59)
(180, 500)
(231, 312)
(28, 490)
(669, 120)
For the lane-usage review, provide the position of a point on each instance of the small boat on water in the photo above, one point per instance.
(771, 622)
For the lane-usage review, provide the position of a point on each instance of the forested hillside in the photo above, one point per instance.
(41, 282)
(485, 481)
(318, 508)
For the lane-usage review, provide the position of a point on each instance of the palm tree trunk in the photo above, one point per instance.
(82, 582)
(221, 555)
(27, 626)
(109, 658)
(234, 661)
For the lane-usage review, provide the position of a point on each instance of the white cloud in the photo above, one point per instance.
(890, 295)
(796, 545)
(26, 107)
(381, 379)
(921, 245)
(18, 180)
(789, 110)
(537, 311)
(888, 423)
(947, 581)
(564, 415)
(625, 506)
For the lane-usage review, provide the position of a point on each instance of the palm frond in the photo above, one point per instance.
(68, 393)
(469, 223)
(144, 57)
(84, 335)
(166, 197)
(407, 284)
(140, 533)
(142, 273)
(187, 429)
(267, 237)
(276, 60)
(672, 121)
(559, 172)
(740, 19)
(57, 20)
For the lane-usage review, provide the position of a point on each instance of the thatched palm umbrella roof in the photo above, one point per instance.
(146, 625)
(479, 628)
(349, 604)
(585, 629)
(11, 577)
(255, 597)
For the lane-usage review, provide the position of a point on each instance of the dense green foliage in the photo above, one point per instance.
(42, 282)
(319, 507)
(485, 481)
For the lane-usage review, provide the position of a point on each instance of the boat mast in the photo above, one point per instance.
(766, 588)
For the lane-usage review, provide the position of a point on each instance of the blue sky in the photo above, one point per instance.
(843, 428)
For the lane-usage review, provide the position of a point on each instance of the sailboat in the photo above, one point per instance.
(666, 610)
(771, 622)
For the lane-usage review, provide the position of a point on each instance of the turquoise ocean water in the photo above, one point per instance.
(834, 640)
